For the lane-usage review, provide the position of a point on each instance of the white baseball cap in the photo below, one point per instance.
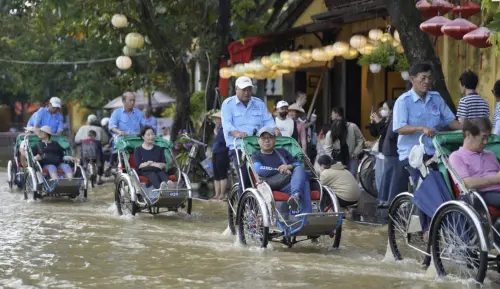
(281, 104)
(105, 121)
(55, 101)
(243, 82)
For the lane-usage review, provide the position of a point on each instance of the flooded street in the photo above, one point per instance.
(74, 244)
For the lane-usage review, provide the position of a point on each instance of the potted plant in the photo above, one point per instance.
(402, 66)
(380, 57)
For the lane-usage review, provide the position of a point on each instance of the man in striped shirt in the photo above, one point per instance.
(472, 105)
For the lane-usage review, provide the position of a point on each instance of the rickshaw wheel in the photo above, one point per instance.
(366, 173)
(10, 174)
(251, 221)
(456, 245)
(123, 198)
(400, 214)
(326, 206)
(232, 203)
(29, 188)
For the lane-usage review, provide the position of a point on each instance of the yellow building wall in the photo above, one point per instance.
(316, 7)
(78, 116)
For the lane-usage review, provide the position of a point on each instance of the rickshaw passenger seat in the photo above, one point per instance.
(144, 179)
(59, 171)
(283, 197)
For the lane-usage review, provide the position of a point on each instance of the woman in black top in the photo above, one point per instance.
(150, 160)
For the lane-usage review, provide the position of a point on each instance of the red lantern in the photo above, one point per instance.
(435, 8)
(433, 26)
(478, 38)
(457, 28)
(467, 9)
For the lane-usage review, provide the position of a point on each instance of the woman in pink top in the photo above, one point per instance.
(478, 167)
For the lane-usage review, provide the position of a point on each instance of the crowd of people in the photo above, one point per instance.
(336, 147)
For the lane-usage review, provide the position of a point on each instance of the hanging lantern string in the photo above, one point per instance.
(64, 62)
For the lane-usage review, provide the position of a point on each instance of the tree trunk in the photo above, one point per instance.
(417, 44)
(222, 42)
(173, 61)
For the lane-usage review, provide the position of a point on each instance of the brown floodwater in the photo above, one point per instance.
(75, 244)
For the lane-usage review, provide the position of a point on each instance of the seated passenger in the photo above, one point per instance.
(51, 154)
(282, 172)
(91, 149)
(478, 167)
(150, 160)
(337, 177)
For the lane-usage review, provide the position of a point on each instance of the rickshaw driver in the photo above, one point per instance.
(127, 120)
(242, 115)
(270, 162)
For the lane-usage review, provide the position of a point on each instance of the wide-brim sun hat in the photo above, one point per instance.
(296, 107)
(46, 129)
(29, 128)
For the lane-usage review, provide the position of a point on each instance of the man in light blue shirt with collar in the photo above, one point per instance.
(50, 116)
(242, 115)
(149, 119)
(127, 120)
(420, 111)
(31, 121)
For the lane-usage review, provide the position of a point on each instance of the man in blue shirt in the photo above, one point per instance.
(50, 116)
(127, 120)
(242, 115)
(31, 121)
(420, 112)
(150, 120)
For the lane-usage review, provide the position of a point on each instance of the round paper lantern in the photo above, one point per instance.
(119, 20)
(257, 66)
(457, 28)
(478, 38)
(367, 49)
(395, 43)
(386, 37)
(127, 51)
(433, 26)
(467, 9)
(340, 48)
(295, 57)
(432, 8)
(275, 58)
(225, 73)
(285, 63)
(396, 36)
(358, 41)
(239, 68)
(249, 74)
(285, 55)
(330, 52)
(306, 55)
(319, 54)
(266, 61)
(295, 64)
(375, 34)
(134, 40)
(123, 62)
(400, 49)
(352, 53)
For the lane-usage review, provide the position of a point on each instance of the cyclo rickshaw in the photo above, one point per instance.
(15, 169)
(261, 215)
(37, 182)
(461, 232)
(132, 193)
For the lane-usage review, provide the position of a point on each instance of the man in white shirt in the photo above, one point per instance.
(285, 124)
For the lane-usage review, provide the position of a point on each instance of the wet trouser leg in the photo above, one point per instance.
(300, 185)
(241, 179)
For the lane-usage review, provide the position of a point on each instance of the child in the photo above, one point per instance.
(92, 150)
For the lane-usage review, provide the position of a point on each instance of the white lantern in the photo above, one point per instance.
(239, 68)
(225, 72)
(123, 62)
(386, 37)
(375, 34)
(367, 49)
(119, 21)
(319, 54)
(295, 57)
(134, 40)
(396, 36)
(358, 41)
(400, 49)
(330, 52)
(127, 51)
(351, 53)
(285, 55)
(340, 48)
(306, 55)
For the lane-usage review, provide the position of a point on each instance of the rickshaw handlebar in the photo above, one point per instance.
(194, 141)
